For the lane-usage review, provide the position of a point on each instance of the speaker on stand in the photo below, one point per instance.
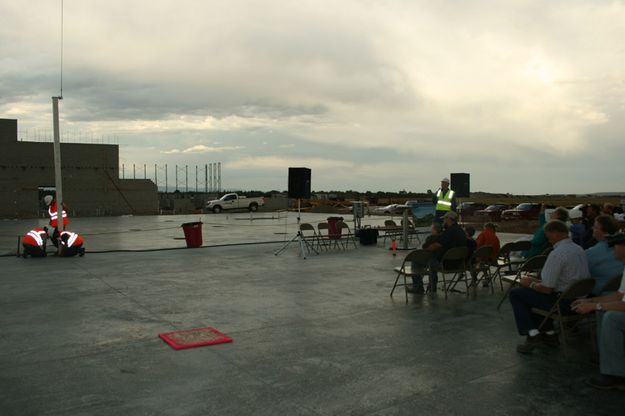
(460, 184)
(299, 188)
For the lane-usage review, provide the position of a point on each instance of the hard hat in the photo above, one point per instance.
(445, 180)
(48, 199)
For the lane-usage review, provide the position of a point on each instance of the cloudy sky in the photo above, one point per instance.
(526, 95)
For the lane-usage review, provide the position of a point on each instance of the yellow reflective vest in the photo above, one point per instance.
(444, 201)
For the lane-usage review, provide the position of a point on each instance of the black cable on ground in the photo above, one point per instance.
(146, 250)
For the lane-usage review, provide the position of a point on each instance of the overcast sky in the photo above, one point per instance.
(527, 96)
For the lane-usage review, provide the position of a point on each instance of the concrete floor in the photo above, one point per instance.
(319, 336)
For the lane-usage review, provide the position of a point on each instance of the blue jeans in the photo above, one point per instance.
(523, 299)
(433, 266)
(612, 343)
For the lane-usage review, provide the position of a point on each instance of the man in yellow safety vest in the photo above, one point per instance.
(444, 199)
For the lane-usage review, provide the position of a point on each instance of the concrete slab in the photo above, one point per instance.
(319, 336)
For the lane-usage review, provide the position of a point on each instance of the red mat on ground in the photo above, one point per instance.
(191, 338)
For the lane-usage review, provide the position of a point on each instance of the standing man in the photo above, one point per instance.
(34, 242)
(444, 199)
(54, 217)
(566, 264)
(612, 328)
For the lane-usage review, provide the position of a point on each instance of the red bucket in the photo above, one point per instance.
(334, 230)
(193, 234)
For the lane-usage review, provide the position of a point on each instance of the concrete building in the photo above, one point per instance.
(91, 184)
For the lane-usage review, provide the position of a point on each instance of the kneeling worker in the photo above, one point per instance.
(34, 242)
(71, 244)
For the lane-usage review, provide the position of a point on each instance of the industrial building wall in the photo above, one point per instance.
(91, 184)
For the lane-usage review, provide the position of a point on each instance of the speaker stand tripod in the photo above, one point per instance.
(303, 249)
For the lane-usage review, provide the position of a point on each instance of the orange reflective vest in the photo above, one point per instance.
(35, 237)
(73, 239)
(54, 215)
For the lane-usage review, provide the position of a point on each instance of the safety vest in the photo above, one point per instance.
(444, 201)
(35, 237)
(54, 215)
(73, 239)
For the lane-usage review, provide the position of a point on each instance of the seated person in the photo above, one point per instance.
(34, 242)
(565, 264)
(488, 237)
(592, 212)
(539, 240)
(578, 228)
(71, 244)
(611, 334)
(471, 243)
(452, 236)
(602, 264)
(417, 281)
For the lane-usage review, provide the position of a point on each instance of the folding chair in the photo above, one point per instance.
(579, 289)
(505, 262)
(480, 263)
(418, 256)
(454, 263)
(323, 234)
(531, 267)
(347, 233)
(391, 230)
(310, 237)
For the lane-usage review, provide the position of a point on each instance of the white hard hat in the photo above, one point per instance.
(47, 199)
(445, 180)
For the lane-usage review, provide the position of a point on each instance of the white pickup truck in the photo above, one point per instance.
(234, 201)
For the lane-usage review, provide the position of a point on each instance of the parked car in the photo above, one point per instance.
(492, 212)
(234, 201)
(525, 211)
(388, 209)
(468, 208)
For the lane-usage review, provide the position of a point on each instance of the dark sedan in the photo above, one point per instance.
(524, 211)
(492, 212)
(469, 209)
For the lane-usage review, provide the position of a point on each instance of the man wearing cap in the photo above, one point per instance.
(453, 236)
(611, 321)
(565, 265)
(444, 199)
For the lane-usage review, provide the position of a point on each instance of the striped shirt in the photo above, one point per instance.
(565, 264)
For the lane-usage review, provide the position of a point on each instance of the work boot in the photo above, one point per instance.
(416, 289)
(551, 340)
(81, 252)
(530, 343)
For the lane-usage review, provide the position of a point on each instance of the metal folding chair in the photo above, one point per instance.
(480, 263)
(421, 257)
(579, 289)
(454, 262)
(531, 267)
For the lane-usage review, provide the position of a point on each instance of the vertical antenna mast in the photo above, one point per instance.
(57, 144)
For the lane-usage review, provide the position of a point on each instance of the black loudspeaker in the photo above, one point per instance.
(460, 185)
(299, 183)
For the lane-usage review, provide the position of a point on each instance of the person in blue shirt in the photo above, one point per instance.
(601, 261)
(578, 228)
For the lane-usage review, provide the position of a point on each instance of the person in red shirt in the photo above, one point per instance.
(488, 237)
(71, 244)
(34, 242)
(54, 217)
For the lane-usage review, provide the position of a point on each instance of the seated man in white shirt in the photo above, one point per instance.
(612, 328)
(566, 264)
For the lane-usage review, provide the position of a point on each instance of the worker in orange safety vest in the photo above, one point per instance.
(34, 242)
(71, 244)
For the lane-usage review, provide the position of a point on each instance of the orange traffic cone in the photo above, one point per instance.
(394, 247)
